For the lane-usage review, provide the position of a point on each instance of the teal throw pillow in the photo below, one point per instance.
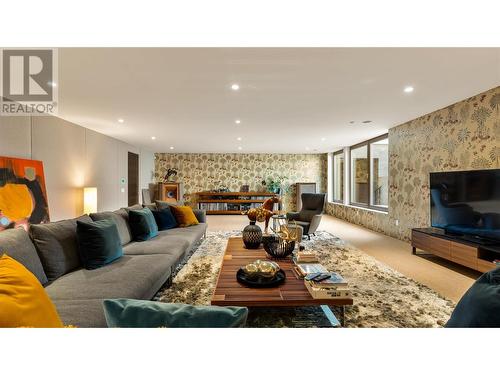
(142, 224)
(98, 243)
(165, 219)
(132, 313)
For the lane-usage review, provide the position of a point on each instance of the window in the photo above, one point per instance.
(359, 175)
(338, 176)
(369, 175)
(379, 166)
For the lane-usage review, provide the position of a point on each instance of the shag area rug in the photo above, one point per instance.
(382, 296)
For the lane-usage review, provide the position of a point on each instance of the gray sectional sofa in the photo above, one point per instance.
(50, 252)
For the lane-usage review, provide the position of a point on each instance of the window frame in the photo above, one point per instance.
(339, 152)
(368, 156)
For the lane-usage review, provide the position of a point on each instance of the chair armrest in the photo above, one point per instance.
(292, 215)
(316, 219)
(201, 215)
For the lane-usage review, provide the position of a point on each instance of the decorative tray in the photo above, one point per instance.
(259, 281)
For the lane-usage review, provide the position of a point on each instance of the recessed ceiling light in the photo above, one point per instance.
(121, 121)
(408, 89)
(238, 139)
(171, 147)
(240, 148)
(351, 122)
(367, 121)
(323, 139)
(153, 138)
(238, 122)
(235, 87)
(307, 148)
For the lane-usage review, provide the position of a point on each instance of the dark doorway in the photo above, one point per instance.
(133, 178)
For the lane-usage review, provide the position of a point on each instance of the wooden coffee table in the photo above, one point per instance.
(292, 293)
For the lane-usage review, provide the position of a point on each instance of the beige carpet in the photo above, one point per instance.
(383, 297)
(448, 279)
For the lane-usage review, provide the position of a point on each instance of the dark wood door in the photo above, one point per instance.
(133, 178)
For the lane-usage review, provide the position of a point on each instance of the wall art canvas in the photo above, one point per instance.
(23, 196)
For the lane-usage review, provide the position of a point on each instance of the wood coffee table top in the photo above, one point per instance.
(292, 293)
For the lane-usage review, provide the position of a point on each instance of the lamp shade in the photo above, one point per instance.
(89, 200)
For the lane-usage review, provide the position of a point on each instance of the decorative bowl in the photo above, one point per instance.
(261, 268)
(276, 247)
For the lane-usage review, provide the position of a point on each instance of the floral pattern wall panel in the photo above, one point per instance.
(463, 136)
(202, 172)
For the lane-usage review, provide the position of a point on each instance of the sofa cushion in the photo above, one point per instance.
(134, 207)
(98, 243)
(164, 219)
(176, 246)
(57, 246)
(192, 234)
(17, 244)
(138, 276)
(129, 313)
(184, 216)
(160, 205)
(142, 224)
(479, 307)
(23, 301)
(120, 218)
(82, 313)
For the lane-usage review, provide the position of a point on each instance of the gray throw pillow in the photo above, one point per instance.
(57, 246)
(162, 204)
(17, 244)
(121, 222)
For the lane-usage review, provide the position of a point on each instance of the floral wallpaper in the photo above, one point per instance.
(201, 172)
(463, 136)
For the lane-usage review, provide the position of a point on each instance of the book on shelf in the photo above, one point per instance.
(326, 293)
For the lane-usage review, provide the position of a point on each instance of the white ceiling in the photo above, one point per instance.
(290, 98)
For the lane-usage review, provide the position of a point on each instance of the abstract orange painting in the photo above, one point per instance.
(23, 196)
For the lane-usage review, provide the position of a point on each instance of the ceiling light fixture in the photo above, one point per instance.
(237, 122)
(171, 147)
(323, 139)
(240, 148)
(235, 87)
(367, 121)
(153, 138)
(307, 148)
(408, 89)
(238, 139)
(121, 121)
(53, 84)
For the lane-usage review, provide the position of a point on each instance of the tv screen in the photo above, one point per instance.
(466, 203)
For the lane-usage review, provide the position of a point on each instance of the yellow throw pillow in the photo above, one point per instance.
(23, 300)
(184, 215)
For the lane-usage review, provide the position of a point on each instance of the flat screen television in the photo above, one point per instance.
(467, 203)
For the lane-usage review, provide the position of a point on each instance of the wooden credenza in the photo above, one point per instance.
(467, 253)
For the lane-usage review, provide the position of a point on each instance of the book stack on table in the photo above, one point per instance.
(306, 257)
(327, 285)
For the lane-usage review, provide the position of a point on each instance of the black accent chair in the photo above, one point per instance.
(309, 217)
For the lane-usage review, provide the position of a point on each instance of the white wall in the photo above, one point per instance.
(73, 157)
